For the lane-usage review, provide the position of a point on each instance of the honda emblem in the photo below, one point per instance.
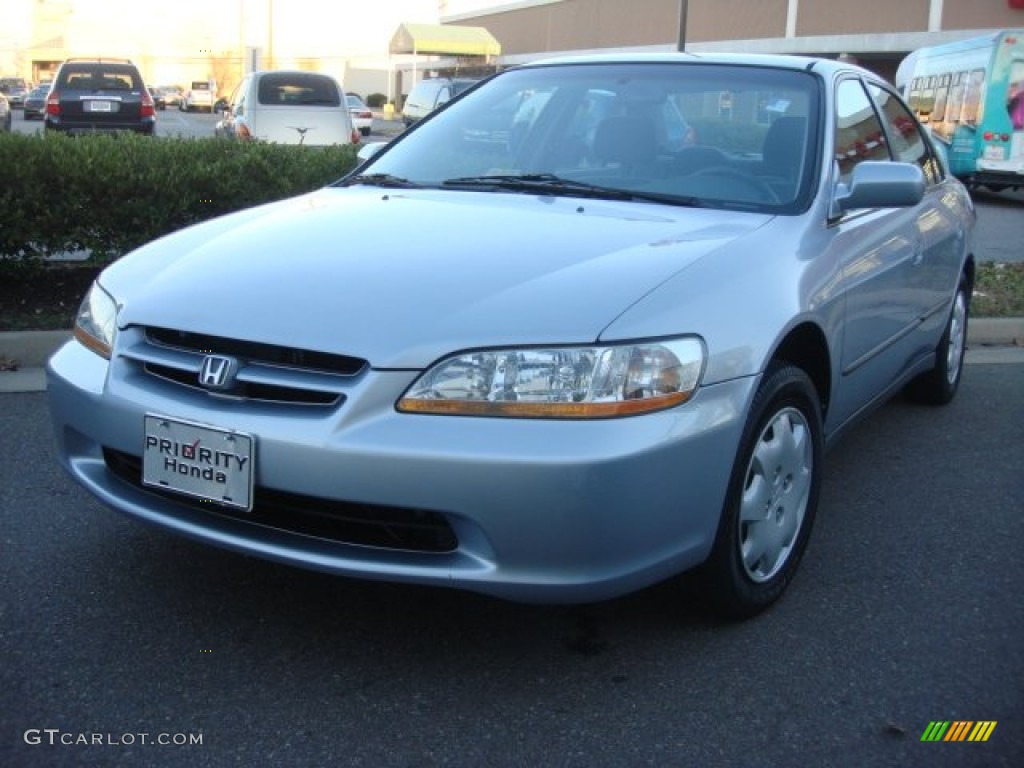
(218, 372)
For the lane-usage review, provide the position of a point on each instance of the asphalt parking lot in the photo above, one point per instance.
(906, 611)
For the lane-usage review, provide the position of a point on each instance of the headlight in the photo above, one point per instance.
(96, 322)
(561, 383)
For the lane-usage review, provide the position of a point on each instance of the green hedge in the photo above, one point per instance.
(110, 194)
(729, 135)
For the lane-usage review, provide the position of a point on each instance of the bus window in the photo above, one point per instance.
(972, 102)
(941, 96)
(915, 95)
(927, 99)
(956, 100)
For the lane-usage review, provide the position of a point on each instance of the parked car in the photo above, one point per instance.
(35, 102)
(158, 98)
(558, 368)
(16, 97)
(5, 114)
(15, 89)
(362, 117)
(171, 95)
(288, 107)
(99, 95)
(430, 94)
(200, 97)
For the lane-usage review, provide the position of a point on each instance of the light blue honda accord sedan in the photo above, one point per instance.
(591, 325)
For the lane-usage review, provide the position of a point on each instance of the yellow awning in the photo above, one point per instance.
(444, 40)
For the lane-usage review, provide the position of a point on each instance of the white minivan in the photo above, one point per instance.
(288, 107)
(430, 94)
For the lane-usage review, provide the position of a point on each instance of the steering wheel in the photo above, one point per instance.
(734, 179)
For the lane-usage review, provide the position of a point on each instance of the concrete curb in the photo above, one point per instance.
(30, 349)
(996, 331)
(991, 340)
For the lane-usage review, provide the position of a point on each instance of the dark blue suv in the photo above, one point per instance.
(100, 95)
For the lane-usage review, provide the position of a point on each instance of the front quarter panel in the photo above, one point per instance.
(743, 298)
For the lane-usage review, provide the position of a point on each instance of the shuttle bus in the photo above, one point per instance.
(971, 95)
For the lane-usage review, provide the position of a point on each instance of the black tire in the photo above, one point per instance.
(771, 500)
(939, 385)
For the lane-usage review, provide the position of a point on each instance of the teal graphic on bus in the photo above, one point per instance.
(970, 93)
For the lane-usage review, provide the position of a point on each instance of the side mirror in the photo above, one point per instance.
(880, 185)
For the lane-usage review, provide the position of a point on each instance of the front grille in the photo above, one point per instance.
(265, 372)
(256, 352)
(367, 525)
(273, 393)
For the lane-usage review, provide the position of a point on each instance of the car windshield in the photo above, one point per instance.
(697, 134)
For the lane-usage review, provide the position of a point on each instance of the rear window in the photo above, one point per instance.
(100, 78)
(200, 85)
(298, 89)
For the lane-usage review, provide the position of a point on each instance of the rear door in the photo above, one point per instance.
(300, 108)
(102, 95)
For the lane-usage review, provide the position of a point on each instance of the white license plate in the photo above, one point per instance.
(995, 153)
(207, 463)
(98, 106)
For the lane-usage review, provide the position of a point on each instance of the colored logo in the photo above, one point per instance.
(958, 730)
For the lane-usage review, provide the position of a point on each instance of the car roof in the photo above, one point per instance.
(264, 72)
(779, 61)
(106, 62)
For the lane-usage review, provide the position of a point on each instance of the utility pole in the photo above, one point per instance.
(270, 35)
(681, 42)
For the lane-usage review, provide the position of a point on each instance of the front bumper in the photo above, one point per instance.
(539, 511)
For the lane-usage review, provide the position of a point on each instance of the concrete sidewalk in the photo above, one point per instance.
(989, 340)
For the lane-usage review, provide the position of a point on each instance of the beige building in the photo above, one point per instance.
(876, 33)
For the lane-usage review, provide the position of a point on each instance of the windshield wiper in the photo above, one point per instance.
(379, 180)
(550, 184)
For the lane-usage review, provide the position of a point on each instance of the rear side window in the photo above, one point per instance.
(905, 139)
(298, 89)
(859, 134)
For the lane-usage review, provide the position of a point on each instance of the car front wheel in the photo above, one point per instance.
(772, 497)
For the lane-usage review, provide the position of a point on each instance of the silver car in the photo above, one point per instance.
(534, 353)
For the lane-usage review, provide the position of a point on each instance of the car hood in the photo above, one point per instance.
(404, 277)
